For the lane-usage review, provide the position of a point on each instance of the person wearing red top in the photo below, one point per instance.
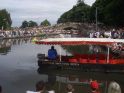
(94, 86)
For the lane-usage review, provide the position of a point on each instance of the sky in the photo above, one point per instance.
(37, 10)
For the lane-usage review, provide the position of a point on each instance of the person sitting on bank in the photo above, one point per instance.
(94, 86)
(69, 88)
(41, 88)
(52, 53)
(114, 87)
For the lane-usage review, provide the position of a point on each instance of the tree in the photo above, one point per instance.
(45, 23)
(110, 12)
(32, 24)
(114, 13)
(24, 24)
(28, 24)
(5, 19)
(80, 1)
(79, 13)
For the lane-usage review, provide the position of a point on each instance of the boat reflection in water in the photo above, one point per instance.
(58, 80)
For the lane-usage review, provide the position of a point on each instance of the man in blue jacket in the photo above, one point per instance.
(52, 53)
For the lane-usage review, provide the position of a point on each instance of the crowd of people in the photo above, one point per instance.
(17, 32)
(102, 32)
(112, 33)
(41, 87)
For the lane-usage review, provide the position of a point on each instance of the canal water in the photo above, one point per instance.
(19, 71)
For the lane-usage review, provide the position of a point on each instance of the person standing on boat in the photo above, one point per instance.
(52, 53)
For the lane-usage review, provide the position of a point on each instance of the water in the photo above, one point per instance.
(19, 71)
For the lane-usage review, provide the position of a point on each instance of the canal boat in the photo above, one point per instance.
(85, 62)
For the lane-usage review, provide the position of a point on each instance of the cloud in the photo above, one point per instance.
(37, 10)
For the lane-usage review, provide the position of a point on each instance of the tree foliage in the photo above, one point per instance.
(80, 1)
(114, 13)
(28, 24)
(24, 24)
(110, 12)
(5, 19)
(45, 23)
(79, 13)
(32, 24)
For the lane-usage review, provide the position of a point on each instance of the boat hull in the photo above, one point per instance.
(83, 67)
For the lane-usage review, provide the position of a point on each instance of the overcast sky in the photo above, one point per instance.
(37, 10)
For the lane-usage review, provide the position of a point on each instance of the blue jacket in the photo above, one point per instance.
(52, 54)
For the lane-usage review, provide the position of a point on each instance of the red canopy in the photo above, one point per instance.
(78, 41)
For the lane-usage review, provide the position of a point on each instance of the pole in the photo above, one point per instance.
(60, 57)
(108, 56)
(96, 20)
(2, 28)
(106, 86)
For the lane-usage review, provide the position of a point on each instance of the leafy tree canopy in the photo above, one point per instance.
(32, 24)
(109, 12)
(28, 24)
(79, 13)
(5, 19)
(80, 1)
(24, 24)
(45, 23)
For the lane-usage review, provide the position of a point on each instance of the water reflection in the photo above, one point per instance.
(5, 45)
(58, 80)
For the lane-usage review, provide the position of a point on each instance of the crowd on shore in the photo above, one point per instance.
(31, 31)
(114, 34)
(92, 32)
(60, 28)
(17, 32)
